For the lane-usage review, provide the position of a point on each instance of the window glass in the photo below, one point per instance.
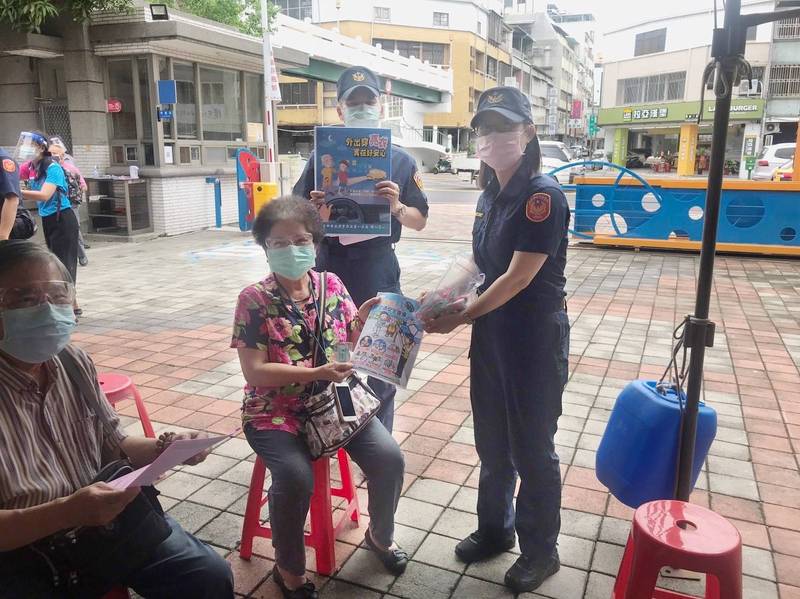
(297, 9)
(784, 153)
(299, 94)
(441, 19)
(144, 99)
(254, 85)
(650, 42)
(186, 109)
(120, 83)
(383, 13)
(163, 73)
(222, 105)
(216, 155)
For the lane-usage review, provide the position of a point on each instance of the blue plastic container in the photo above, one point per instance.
(638, 454)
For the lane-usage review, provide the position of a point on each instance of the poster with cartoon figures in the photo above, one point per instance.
(349, 163)
(389, 343)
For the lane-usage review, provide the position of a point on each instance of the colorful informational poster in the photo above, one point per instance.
(349, 163)
(389, 343)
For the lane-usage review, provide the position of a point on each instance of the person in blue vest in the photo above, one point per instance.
(520, 342)
(370, 266)
(48, 186)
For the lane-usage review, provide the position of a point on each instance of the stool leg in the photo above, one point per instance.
(321, 518)
(147, 427)
(348, 485)
(643, 578)
(252, 513)
(624, 570)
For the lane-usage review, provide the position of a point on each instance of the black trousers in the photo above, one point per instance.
(61, 235)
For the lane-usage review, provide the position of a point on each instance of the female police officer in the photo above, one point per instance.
(520, 341)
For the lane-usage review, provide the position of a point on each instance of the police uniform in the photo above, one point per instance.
(369, 267)
(9, 186)
(519, 354)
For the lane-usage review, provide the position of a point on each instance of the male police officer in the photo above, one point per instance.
(10, 196)
(370, 266)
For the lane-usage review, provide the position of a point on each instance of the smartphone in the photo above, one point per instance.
(344, 402)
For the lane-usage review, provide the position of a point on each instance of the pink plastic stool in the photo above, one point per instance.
(684, 536)
(118, 593)
(323, 532)
(118, 387)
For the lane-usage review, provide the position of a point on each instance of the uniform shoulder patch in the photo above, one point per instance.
(418, 181)
(9, 165)
(537, 208)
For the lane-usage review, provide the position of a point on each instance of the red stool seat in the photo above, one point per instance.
(323, 531)
(684, 536)
(118, 593)
(118, 387)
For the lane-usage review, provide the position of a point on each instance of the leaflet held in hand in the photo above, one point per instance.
(390, 340)
(348, 163)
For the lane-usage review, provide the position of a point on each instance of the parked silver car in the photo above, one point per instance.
(770, 158)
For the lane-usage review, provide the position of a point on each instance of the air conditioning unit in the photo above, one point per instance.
(744, 87)
(750, 87)
(772, 128)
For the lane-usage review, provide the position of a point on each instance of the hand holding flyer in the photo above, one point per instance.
(390, 340)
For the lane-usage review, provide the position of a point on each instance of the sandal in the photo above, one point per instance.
(304, 591)
(394, 560)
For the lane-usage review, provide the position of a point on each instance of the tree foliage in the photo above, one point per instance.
(29, 15)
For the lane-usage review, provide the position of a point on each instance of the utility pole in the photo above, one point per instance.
(269, 131)
(727, 49)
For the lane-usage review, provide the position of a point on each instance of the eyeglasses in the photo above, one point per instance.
(299, 241)
(54, 292)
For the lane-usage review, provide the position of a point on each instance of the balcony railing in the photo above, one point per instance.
(784, 80)
(402, 130)
(787, 29)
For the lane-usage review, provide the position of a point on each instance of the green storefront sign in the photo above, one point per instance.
(742, 109)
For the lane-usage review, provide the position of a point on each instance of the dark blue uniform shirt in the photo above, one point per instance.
(9, 178)
(530, 214)
(404, 173)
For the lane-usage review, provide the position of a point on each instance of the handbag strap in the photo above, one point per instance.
(87, 390)
(322, 311)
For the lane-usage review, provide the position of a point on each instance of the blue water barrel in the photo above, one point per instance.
(638, 454)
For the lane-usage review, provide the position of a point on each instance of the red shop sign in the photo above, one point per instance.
(114, 105)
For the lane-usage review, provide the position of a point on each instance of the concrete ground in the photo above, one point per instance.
(161, 312)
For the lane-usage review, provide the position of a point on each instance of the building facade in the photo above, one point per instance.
(466, 37)
(652, 87)
(782, 80)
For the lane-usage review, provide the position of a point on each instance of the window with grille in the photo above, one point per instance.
(394, 107)
(787, 29)
(299, 94)
(655, 88)
(441, 19)
(297, 9)
(383, 13)
(491, 67)
(650, 42)
(784, 80)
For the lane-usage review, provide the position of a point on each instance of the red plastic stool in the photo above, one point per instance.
(323, 532)
(118, 593)
(118, 387)
(684, 536)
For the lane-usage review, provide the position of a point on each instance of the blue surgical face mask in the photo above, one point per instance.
(362, 115)
(292, 262)
(36, 334)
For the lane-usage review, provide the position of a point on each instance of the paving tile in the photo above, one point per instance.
(338, 589)
(432, 491)
(731, 485)
(615, 530)
(225, 530)
(421, 580)
(567, 583)
(437, 550)
(575, 552)
(418, 514)
(455, 524)
(786, 569)
(192, 516)
(758, 563)
(474, 588)
(364, 569)
(599, 586)
(465, 500)
(607, 558)
(181, 484)
(493, 570)
(212, 467)
(447, 471)
(249, 574)
(785, 541)
(219, 494)
(580, 524)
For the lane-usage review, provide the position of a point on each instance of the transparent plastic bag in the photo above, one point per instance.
(455, 289)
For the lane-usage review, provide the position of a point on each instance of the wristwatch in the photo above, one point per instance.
(400, 212)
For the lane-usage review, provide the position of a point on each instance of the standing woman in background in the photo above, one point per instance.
(48, 186)
(520, 342)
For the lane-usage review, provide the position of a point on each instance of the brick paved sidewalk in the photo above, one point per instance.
(162, 311)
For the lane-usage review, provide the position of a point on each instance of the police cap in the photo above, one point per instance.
(508, 102)
(355, 77)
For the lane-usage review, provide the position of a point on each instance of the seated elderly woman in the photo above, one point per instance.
(276, 335)
(58, 434)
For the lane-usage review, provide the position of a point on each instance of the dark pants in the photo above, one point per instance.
(181, 566)
(61, 235)
(518, 371)
(289, 463)
(365, 273)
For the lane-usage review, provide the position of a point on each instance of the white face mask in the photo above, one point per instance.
(362, 115)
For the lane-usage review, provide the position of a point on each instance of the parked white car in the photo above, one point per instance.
(771, 158)
(555, 154)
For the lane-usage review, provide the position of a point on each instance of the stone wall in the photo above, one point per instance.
(185, 204)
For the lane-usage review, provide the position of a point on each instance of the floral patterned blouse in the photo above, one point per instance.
(266, 320)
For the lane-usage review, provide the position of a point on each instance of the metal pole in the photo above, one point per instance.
(699, 329)
(269, 133)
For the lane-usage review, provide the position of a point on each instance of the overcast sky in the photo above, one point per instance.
(611, 14)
